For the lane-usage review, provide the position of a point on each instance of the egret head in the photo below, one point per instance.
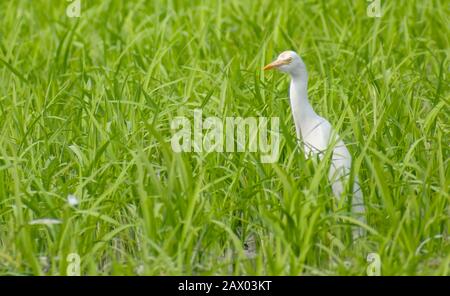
(288, 62)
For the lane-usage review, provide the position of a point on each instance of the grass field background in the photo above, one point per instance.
(86, 105)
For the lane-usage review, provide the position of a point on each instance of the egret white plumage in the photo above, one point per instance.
(316, 132)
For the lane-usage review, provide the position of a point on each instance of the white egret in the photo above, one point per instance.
(315, 131)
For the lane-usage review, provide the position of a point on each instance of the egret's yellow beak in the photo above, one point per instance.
(277, 64)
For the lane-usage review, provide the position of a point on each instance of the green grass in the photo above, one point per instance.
(86, 106)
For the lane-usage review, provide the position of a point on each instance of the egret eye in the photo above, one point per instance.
(289, 60)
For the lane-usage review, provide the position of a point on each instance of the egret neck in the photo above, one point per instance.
(302, 110)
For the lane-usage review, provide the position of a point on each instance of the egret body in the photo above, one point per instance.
(315, 131)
